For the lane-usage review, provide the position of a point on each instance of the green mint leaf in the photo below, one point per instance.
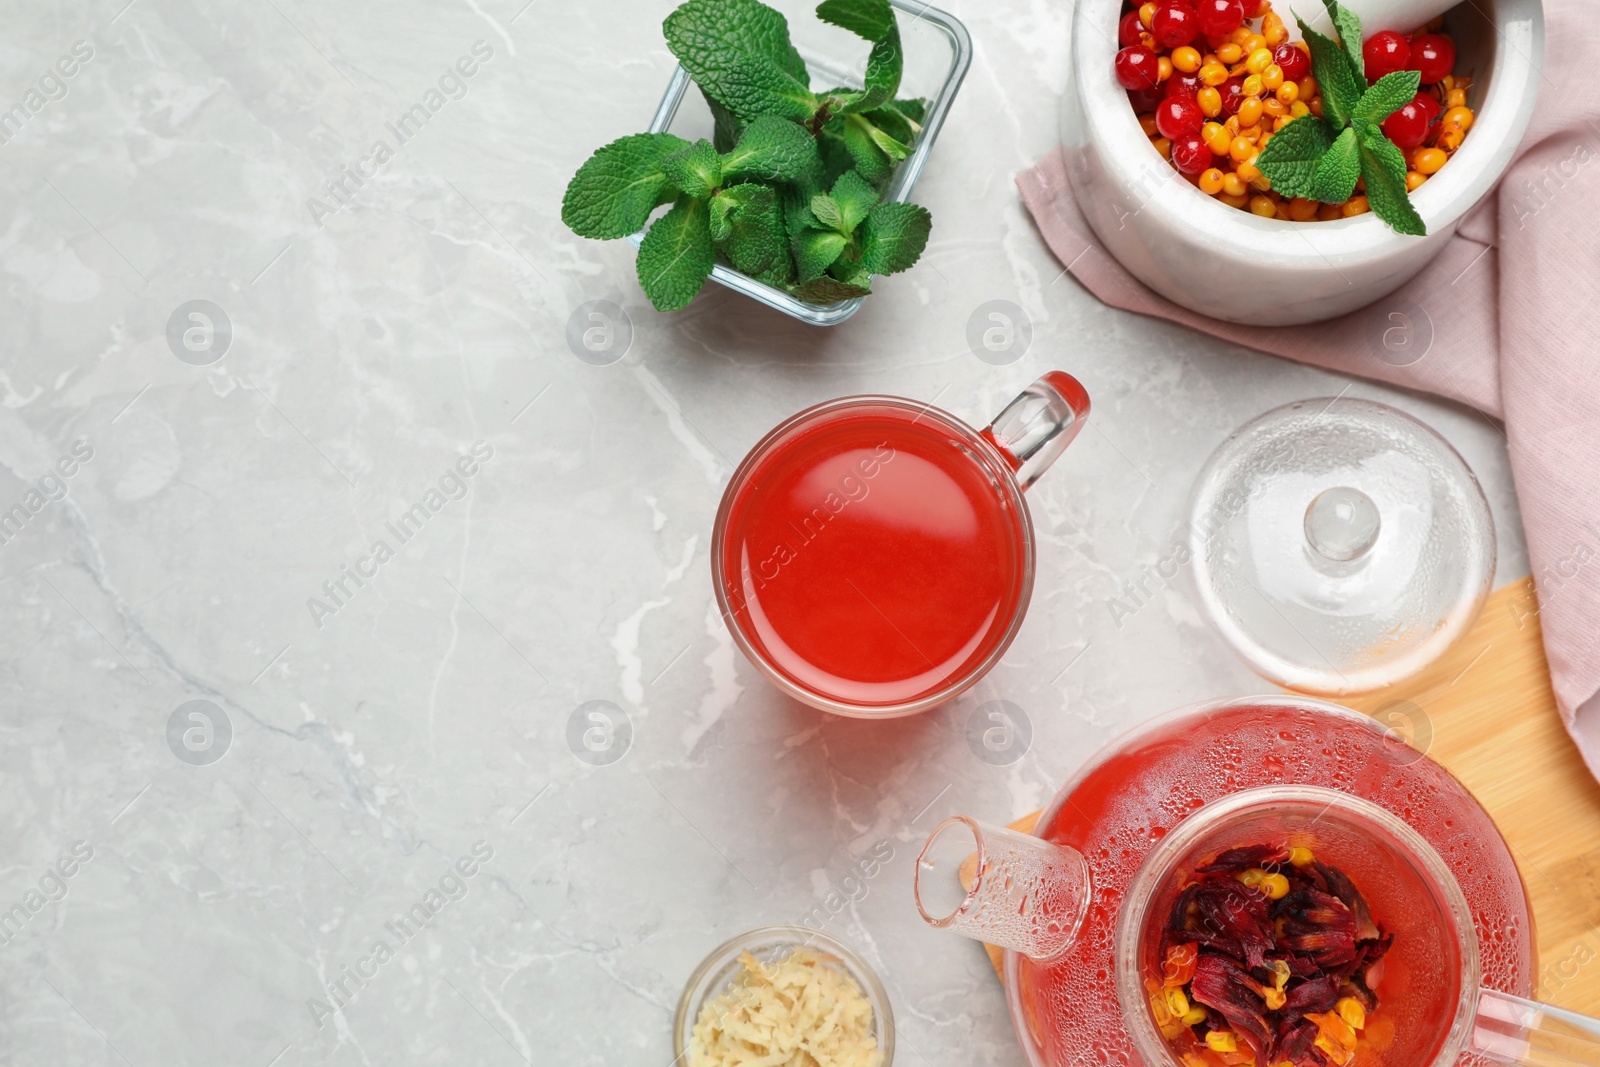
(772, 149)
(885, 65)
(747, 225)
(893, 237)
(855, 198)
(1348, 27)
(1290, 158)
(795, 198)
(695, 170)
(826, 210)
(886, 144)
(739, 53)
(677, 255)
(875, 21)
(835, 153)
(854, 101)
(826, 290)
(614, 192)
(815, 251)
(1386, 96)
(726, 127)
(1342, 83)
(1336, 172)
(1383, 169)
(871, 19)
(899, 119)
(869, 159)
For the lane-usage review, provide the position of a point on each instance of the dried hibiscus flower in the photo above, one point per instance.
(1265, 962)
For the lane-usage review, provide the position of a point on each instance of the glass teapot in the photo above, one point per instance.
(1081, 910)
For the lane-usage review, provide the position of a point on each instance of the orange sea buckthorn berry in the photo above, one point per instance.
(1308, 87)
(1252, 86)
(1239, 35)
(1456, 117)
(1263, 206)
(1211, 181)
(1243, 148)
(1147, 123)
(1234, 201)
(1272, 78)
(1456, 98)
(1147, 13)
(1248, 171)
(1329, 212)
(1162, 145)
(1273, 29)
(1316, 106)
(1148, 40)
(1274, 107)
(1428, 160)
(1163, 68)
(1298, 108)
(1356, 205)
(1253, 42)
(1213, 73)
(1448, 82)
(1233, 185)
(1302, 210)
(1216, 137)
(1414, 180)
(1186, 59)
(1250, 111)
(1251, 133)
(1288, 92)
(1229, 53)
(1210, 101)
(1280, 123)
(1259, 60)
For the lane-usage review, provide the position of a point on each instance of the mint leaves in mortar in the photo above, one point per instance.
(1321, 158)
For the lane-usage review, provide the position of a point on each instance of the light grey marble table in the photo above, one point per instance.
(405, 336)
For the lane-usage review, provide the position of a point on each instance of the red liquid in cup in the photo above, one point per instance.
(871, 556)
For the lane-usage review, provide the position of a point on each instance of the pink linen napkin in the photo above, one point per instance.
(1506, 320)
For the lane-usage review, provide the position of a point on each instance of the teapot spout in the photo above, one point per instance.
(1002, 887)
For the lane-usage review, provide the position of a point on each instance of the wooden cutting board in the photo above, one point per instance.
(1493, 723)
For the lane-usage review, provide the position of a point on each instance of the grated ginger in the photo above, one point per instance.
(797, 1011)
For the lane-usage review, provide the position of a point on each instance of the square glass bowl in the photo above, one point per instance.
(938, 52)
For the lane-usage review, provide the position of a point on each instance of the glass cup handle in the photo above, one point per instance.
(1039, 424)
(1510, 1029)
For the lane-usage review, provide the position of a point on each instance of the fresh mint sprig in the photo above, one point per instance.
(750, 196)
(1321, 158)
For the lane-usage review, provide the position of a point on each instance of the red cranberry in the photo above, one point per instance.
(1218, 18)
(1407, 127)
(1252, 8)
(1128, 30)
(1145, 100)
(1232, 92)
(1294, 63)
(1430, 105)
(1181, 84)
(1178, 116)
(1136, 67)
(1190, 154)
(1174, 24)
(1385, 53)
(1433, 56)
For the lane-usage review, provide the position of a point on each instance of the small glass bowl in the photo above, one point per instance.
(938, 52)
(715, 974)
